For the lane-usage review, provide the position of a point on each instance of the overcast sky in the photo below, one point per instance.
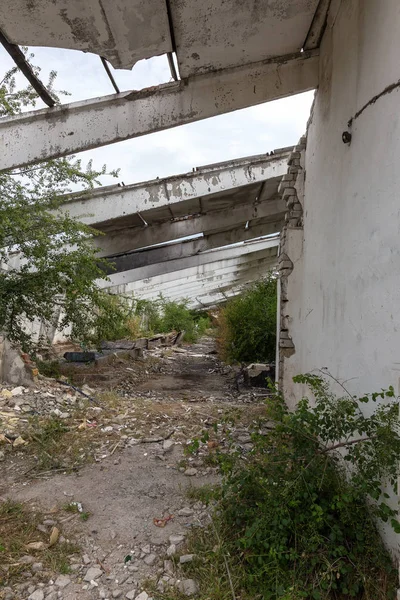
(250, 131)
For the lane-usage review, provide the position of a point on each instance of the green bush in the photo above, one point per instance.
(298, 515)
(248, 324)
(177, 316)
(119, 317)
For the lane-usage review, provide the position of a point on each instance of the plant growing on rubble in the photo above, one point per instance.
(178, 316)
(247, 324)
(298, 515)
(54, 282)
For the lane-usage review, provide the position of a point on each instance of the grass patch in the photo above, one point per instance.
(56, 445)
(49, 368)
(205, 494)
(18, 528)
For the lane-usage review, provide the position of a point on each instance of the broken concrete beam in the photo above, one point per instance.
(286, 343)
(118, 345)
(294, 156)
(259, 374)
(179, 339)
(80, 356)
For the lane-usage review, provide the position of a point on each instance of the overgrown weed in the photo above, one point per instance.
(122, 317)
(56, 445)
(295, 519)
(18, 527)
(247, 324)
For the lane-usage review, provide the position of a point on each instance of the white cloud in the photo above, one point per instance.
(254, 130)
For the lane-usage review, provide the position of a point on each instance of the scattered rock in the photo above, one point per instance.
(190, 472)
(62, 581)
(142, 596)
(131, 595)
(186, 558)
(169, 567)
(37, 595)
(17, 391)
(185, 512)
(37, 567)
(188, 587)
(176, 538)
(26, 560)
(92, 574)
(171, 550)
(168, 445)
(150, 559)
(36, 546)
(19, 442)
(117, 594)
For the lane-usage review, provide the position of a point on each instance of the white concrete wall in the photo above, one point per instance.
(344, 291)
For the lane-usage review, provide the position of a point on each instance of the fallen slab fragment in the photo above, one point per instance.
(80, 356)
(118, 345)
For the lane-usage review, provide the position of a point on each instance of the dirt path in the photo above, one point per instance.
(141, 475)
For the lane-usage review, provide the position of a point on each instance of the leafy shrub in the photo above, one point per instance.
(119, 317)
(296, 518)
(301, 510)
(247, 324)
(177, 316)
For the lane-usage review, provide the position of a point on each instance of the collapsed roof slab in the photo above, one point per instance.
(216, 274)
(207, 35)
(214, 223)
(36, 136)
(267, 247)
(216, 271)
(222, 282)
(183, 249)
(216, 297)
(204, 189)
(211, 278)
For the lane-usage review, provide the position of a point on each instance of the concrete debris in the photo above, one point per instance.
(62, 581)
(158, 405)
(150, 559)
(185, 512)
(188, 587)
(191, 472)
(259, 374)
(186, 558)
(92, 574)
(171, 550)
(37, 595)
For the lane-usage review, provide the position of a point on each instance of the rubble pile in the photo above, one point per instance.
(141, 421)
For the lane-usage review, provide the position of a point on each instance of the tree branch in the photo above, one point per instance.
(344, 444)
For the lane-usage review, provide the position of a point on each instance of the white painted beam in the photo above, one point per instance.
(50, 133)
(269, 247)
(131, 238)
(115, 202)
